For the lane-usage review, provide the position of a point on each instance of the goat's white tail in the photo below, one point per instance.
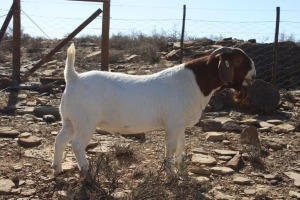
(70, 73)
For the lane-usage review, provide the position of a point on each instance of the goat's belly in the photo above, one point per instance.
(128, 128)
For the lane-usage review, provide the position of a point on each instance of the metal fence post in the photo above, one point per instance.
(182, 34)
(105, 36)
(16, 43)
(274, 69)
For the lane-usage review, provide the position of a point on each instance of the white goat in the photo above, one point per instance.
(172, 99)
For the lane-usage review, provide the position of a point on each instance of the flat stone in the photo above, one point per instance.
(5, 186)
(283, 128)
(241, 181)
(295, 177)
(31, 141)
(266, 125)
(200, 170)
(199, 150)
(203, 159)
(274, 121)
(235, 162)
(215, 136)
(275, 143)
(250, 122)
(232, 127)
(225, 152)
(211, 125)
(269, 176)
(249, 192)
(294, 194)
(222, 170)
(202, 179)
(24, 135)
(28, 192)
(8, 132)
(68, 166)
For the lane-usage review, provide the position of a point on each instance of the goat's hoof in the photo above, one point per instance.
(57, 169)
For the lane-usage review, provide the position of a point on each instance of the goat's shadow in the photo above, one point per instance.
(11, 103)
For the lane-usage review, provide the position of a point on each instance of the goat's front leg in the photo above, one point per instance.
(173, 138)
(61, 141)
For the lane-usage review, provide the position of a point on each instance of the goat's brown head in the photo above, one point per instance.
(236, 69)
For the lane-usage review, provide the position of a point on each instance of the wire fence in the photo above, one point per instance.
(218, 30)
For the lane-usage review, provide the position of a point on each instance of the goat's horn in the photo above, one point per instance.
(219, 51)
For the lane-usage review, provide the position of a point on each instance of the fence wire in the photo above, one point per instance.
(240, 31)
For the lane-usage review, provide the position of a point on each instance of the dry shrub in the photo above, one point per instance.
(99, 182)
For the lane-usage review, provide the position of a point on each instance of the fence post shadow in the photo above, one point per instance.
(11, 103)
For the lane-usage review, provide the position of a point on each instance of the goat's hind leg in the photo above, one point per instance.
(81, 139)
(62, 139)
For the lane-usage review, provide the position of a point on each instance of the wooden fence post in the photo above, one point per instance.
(6, 21)
(274, 69)
(16, 43)
(105, 36)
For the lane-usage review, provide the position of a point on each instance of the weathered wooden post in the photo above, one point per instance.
(182, 34)
(274, 69)
(16, 43)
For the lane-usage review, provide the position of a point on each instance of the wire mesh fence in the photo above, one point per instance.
(255, 37)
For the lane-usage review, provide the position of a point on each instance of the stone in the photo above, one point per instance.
(31, 141)
(221, 196)
(294, 194)
(274, 121)
(295, 177)
(249, 191)
(232, 127)
(226, 158)
(263, 97)
(200, 170)
(69, 166)
(203, 159)
(250, 122)
(28, 192)
(211, 125)
(24, 135)
(275, 143)
(266, 125)
(222, 170)
(199, 150)
(225, 152)
(173, 55)
(283, 128)
(133, 58)
(49, 118)
(202, 179)
(215, 136)
(241, 181)
(40, 111)
(8, 132)
(5, 186)
(235, 162)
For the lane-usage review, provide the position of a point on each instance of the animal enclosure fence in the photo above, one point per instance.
(255, 37)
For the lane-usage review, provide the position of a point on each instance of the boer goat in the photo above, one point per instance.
(172, 99)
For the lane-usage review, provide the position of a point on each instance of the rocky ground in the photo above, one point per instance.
(231, 154)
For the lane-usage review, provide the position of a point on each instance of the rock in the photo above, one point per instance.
(222, 170)
(266, 125)
(133, 58)
(294, 194)
(28, 192)
(31, 141)
(8, 132)
(283, 128)
(93, 54)
(24, 135)
(225, 152)
(201, 179)
(241, 181)
(250, 122)
(275, 143)
(173, 55)
(69, 166)
(222, 196)
(40, 111)
(209, 125)
(5, 82)
(232, 127)
(249, 192)
(203, 159)
(295, 177)
(263, 96)
(226, 158)
(250, 142)
(5, 186)
(199, 150)
(200, 170)
(235, 162)
(49, 118)
(215, 136)
(275, 121)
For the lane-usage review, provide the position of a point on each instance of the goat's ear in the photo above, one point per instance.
(226, 70)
